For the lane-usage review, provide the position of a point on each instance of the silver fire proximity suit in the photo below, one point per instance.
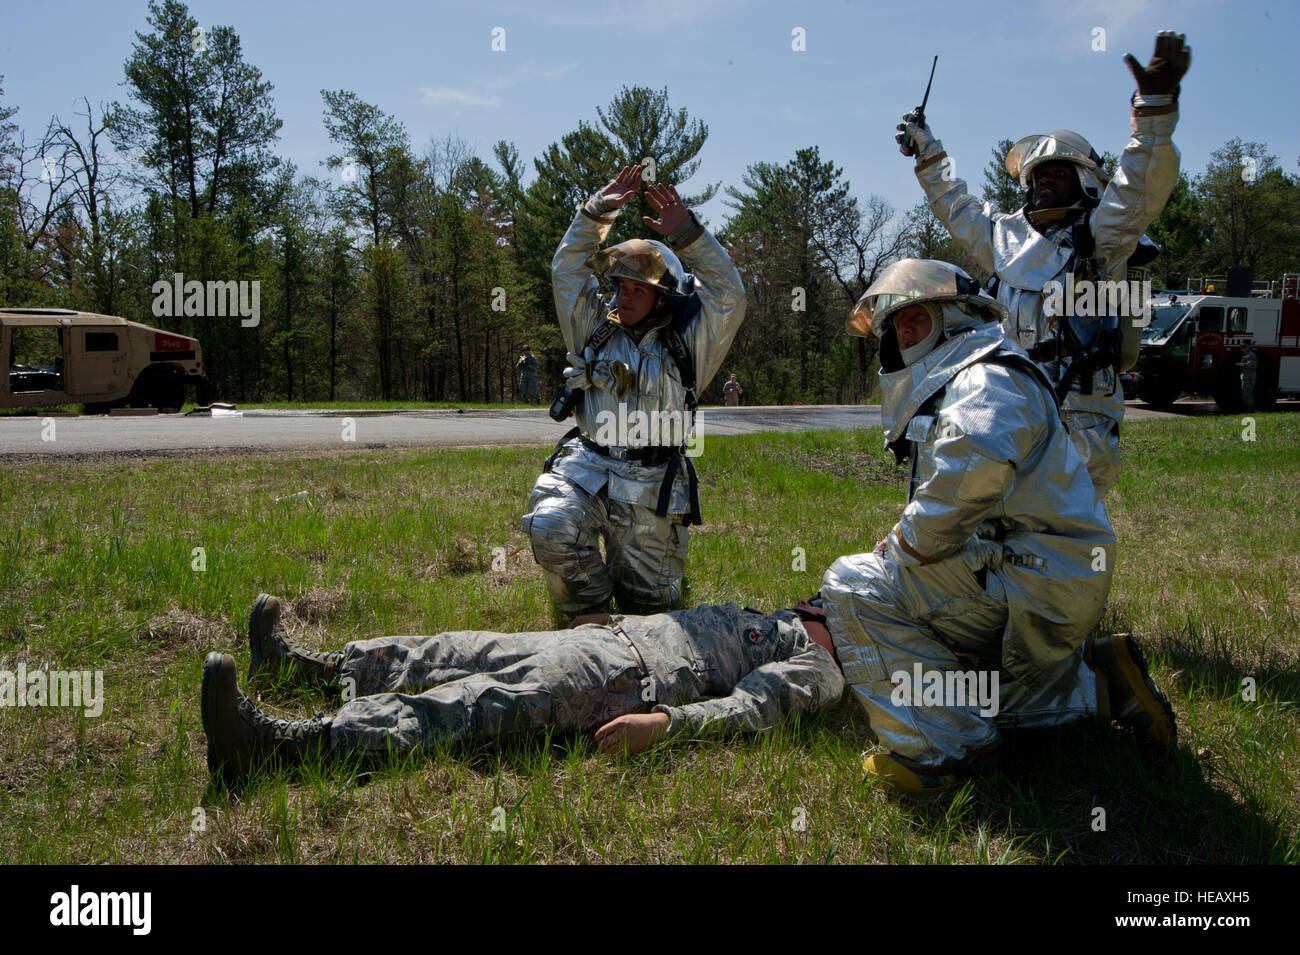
(637, 401)
(712, 669)
(1025, 256)
(1001, 561)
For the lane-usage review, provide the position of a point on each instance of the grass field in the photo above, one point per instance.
(97, 571)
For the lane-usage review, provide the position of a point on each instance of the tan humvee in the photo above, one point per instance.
(56, 356)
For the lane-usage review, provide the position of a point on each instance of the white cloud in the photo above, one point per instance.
(448, 96)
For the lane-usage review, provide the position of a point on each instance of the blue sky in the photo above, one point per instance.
(1005, 70)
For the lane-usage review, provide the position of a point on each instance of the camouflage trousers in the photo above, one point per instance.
(416, 691)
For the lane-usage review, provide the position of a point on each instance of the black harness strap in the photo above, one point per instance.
(559, 446)
(685, 367)
(692, 485)
(601, 336)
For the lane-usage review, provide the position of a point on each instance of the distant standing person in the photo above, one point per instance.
(527, 365)
(731, 393)
(1249, 366)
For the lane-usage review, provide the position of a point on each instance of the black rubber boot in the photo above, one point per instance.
(270, 649)
(241, 737)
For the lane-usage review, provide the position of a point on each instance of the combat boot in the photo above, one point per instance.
(270, 649)
(1126, 693)
(240, 736)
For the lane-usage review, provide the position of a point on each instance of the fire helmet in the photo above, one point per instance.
(1060, 145)
(644, 260)
(918, 281)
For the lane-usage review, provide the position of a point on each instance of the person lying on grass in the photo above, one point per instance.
(634, 680)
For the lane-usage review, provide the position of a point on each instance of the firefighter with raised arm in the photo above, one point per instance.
(1074, 223)
(636, 365)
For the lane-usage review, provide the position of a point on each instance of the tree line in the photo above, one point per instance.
(417, 273)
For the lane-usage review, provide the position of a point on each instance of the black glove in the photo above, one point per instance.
(1168, 64)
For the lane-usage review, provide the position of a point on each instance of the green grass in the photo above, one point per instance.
(96, 572)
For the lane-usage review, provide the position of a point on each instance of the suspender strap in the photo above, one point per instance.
(693, 488)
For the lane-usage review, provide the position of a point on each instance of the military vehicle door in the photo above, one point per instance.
(36, 358)
(97, 360)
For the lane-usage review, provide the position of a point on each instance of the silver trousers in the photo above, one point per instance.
(886, 618)
(645, 555)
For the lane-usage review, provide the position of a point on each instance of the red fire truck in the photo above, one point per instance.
(1196, 339)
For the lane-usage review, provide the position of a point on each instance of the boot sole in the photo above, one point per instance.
(1130, 659)
(256, 658)
(208, 708)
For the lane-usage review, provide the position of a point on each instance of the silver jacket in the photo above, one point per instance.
(581, 309)
(993, 469)
(1025, 260)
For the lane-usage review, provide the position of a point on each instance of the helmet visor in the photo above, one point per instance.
(905, 282)
(1054, 147)
(639, 260)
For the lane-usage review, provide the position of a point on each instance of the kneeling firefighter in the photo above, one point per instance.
(1000, 565)
(624, 474)
(1076, 230)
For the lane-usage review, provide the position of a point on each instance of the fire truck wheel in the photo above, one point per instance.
(1227, 389)
(1159, 393)
(1265, 386)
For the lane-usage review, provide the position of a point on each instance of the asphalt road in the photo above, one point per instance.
(319, 430)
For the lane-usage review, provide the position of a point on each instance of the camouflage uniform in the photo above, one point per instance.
(712, 669)
(528, 387)
(1249, 368)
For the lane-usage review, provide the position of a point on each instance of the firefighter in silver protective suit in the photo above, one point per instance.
(633, 681)
(625, 474)
(1001, 561)
(1074, 223)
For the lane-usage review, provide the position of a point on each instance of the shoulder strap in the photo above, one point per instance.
(601, 336)
(1083, 262)
(685, 367)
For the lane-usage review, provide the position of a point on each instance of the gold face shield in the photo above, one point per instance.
(642, 260)
(910, 282)
(1062, 145)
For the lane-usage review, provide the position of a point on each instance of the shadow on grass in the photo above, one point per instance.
(1087, 795)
